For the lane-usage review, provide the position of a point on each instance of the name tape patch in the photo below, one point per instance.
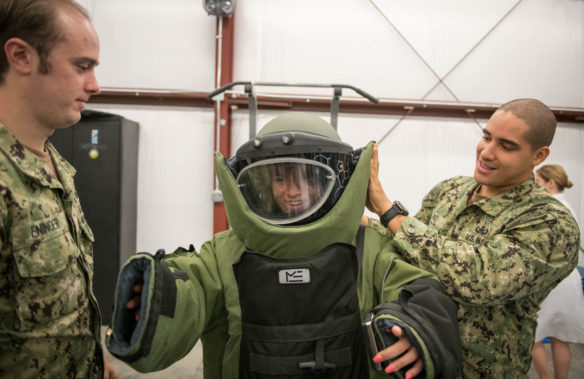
(42, 228)
(294, 276)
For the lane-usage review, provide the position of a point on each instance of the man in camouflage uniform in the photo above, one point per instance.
(497, 242)
(49, 317)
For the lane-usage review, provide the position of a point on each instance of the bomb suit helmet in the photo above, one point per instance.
(294, 170)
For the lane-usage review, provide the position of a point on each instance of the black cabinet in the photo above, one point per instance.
(103, 148)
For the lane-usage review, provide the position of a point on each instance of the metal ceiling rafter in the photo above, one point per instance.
(440, 79)
(480, 41)
(399, 33)
(473, 48)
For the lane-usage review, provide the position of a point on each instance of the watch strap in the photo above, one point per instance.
(396, 209)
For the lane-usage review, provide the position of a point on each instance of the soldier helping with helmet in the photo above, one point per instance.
(286, 292)
(497, 241)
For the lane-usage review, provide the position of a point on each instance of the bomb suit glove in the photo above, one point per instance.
(138, 340)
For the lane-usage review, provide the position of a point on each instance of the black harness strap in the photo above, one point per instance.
(269, 365)
(360, 243)
(301, 333)
(320, 364)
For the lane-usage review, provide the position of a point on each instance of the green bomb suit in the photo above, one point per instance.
(206, 302)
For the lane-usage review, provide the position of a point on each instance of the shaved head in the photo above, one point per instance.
(539, 118)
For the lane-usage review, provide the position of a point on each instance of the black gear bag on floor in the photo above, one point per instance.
(300, 317)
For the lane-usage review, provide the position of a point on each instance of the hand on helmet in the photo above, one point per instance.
(377, 200)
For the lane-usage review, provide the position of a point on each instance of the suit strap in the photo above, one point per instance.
(360, 243)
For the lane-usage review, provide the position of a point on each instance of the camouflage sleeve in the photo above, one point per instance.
(3, 213)
(428, 204)
(389, 272)
(530, 253)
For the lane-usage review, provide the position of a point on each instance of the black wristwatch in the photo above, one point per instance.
(397, 209)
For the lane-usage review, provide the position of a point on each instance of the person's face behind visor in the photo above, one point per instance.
(294, 189)
(286, 190)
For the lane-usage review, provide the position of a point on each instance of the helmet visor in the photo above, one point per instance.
(286, 190)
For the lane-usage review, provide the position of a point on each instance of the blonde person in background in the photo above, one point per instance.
(561, 316)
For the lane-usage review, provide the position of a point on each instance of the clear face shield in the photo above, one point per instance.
(286, 190)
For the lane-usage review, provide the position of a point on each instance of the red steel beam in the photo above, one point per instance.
(421, 108)
(149, 97)
(220, 221)
(396, 107)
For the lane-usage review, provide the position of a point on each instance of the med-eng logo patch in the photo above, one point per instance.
(294, 276)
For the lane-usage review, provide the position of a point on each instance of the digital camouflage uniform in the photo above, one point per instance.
(49, 318)
(498, 259)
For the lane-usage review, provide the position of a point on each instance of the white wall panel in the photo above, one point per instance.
(154, 44)
(326, 41)
(443, 31)
(536, 51)
(175, 175)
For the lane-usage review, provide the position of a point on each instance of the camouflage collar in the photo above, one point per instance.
(31, 165)
(496, 204)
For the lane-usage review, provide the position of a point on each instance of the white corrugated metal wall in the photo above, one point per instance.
(449, 50)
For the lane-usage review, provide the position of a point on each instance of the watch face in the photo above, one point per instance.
(401, 209)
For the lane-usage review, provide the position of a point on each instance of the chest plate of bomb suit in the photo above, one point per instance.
(300, 317)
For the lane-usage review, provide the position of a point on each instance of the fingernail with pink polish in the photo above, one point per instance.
(378, 358)
(409, 376)
(389, 369)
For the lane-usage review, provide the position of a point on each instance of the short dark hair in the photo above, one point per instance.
(539, 118)
(34, 21)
